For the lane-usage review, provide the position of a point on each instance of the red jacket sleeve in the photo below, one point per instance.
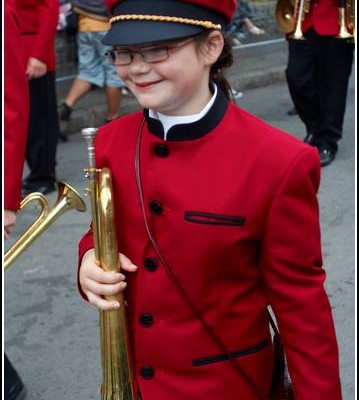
(45, 37)
(295, 289)
(86, 243)
(38, 23)
(16, 109)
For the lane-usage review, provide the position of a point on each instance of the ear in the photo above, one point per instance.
(212, 47)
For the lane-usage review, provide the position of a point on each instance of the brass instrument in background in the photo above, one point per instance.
(117, 373)
(290, 14)
(300, 9)
(346, 19)
(67, 199)
(284, 13)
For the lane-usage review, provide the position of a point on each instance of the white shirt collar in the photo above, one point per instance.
(168, 120)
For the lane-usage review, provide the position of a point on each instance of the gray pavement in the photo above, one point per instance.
(51, 334)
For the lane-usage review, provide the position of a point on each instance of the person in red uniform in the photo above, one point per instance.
(216, 215)
(38, 21)
(318, 74)
(16, 113)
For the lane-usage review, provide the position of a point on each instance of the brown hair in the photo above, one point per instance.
(225, 60)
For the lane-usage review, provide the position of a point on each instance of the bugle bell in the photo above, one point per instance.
(284, 13)
(67, 199)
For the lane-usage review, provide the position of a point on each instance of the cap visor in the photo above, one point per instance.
(126, 33)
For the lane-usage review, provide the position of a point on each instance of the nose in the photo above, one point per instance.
(138, 65)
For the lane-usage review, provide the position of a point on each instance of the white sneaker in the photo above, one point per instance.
(236, 94)
(254, 30)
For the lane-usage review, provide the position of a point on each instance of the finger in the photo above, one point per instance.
(101, 303)
(108, 277)
(89, 270)
(8, 230)
(103, 290)
(127, 264)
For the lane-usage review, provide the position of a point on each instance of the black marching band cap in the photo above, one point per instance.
(136, 22)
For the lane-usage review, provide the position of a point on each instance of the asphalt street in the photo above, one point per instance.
(52, 335)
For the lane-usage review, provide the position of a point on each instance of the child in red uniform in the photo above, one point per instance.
(217, 212)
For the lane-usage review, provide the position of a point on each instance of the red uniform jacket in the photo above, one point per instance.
(38, 22)
(232, 205)
(323, 16)
(16, 108)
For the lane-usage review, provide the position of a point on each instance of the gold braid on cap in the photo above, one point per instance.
(163, 18)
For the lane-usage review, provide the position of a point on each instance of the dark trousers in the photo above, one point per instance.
(43, 130)
(318, 74)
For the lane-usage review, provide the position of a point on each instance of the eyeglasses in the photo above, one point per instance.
(150, 55)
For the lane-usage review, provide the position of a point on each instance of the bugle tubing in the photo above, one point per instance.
(344, 20)
(298, 14)
(67, 199)
(117, 373)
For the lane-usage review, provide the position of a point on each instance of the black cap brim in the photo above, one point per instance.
(128, 33)
(136, 31)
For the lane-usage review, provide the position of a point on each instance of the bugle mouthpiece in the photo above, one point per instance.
(89, 135)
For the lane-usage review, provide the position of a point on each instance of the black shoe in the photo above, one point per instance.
(309, 139)
(326, 156)
(16, 392)
(65, 112)
(63, 136)
(64, 117)
(14, 388)
(42, 187)
(292, 111)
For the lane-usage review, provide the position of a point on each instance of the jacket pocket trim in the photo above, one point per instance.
(200, 217)
(235, 354)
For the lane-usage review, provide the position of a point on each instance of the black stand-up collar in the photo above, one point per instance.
(193, 130)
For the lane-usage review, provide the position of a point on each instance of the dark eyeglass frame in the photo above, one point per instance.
(143, 53)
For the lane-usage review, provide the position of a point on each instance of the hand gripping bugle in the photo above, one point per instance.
(117, 373)
(67, 199)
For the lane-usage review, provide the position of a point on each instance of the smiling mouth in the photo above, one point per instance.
(142, 85)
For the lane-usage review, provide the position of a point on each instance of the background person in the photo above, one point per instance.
(209, 247)
(94, 67)
(318, 73)
(242, 22)
(38, 22)
(16, 114)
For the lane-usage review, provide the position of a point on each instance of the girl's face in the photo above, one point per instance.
(178, 85)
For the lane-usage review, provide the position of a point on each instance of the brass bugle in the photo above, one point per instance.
(116, 357)
(67, 199)
(298, 13)
(284, 14)
(345, 14)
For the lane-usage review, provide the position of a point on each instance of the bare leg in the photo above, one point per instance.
(253, 29)
(77, 90)
(248, 23)
(113, 99)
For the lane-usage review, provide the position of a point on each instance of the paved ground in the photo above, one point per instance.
(51, 334)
